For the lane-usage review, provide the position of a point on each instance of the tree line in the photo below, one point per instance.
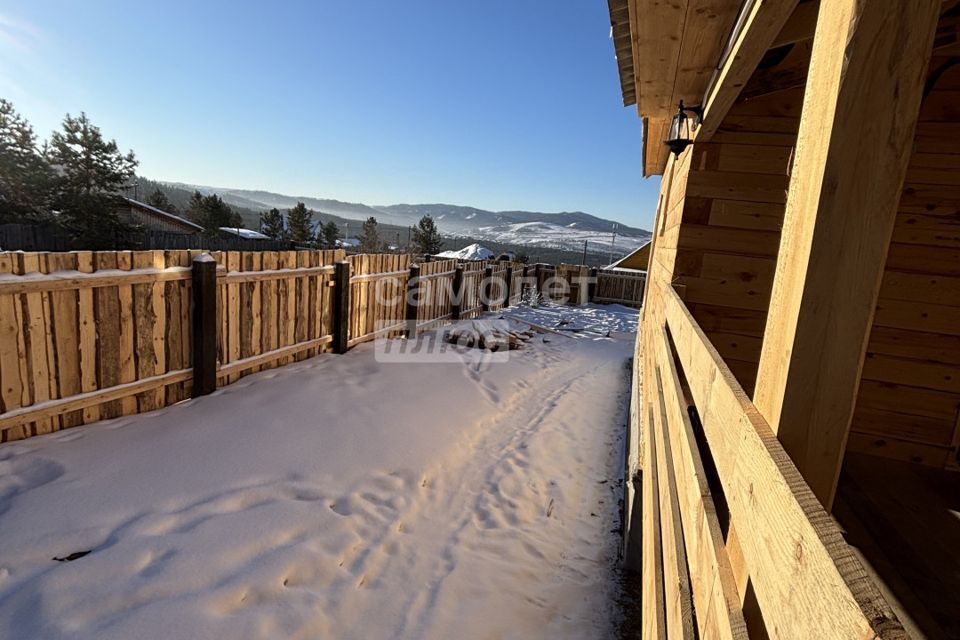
(298, 227)
(76, 180)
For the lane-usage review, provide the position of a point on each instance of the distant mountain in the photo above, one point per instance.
(566, 230)
(463, 219)
(251, 199)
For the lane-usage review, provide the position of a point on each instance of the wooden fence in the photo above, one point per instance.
(378, 287)
(91, 335)
(33, 237)
(619, 287)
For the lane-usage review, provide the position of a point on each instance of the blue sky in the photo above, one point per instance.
(501, 104)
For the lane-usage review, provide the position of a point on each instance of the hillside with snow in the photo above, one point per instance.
(565, 230)
(469, 252)
(546, 234)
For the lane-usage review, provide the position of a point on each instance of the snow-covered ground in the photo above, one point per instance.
(340, 497)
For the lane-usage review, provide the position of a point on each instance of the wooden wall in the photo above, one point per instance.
(909, 397)
(732, 209)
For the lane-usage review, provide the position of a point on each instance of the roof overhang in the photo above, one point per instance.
(623, 46)
(667, 52)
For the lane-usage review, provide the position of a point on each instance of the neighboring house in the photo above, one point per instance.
(152, 218)
(240, 232)
(634, 261)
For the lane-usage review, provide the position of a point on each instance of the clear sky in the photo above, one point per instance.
(499, 104)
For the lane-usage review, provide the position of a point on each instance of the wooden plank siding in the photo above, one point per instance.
(908, 405)
(722, 225)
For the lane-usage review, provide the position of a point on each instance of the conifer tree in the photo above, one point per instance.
(212, 213)
(25, 176)
(271, 224)
(370, 237)
(158, 199)
(300, 223)
(90, 175)
(329, 234)
(426, 237)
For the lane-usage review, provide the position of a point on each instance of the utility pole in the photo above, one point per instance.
(612, 241)
(584, 252)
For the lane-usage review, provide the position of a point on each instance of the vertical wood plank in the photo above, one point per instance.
(86, 311)
(12, 365)
(128, 367)
(66, 335)
(108, 333)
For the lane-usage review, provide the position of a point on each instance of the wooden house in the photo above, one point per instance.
(797, 401)
(150, 217)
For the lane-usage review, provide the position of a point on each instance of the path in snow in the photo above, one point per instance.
(339, 497)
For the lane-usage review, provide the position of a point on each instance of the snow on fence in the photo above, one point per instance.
(88, 335)
(619, 287)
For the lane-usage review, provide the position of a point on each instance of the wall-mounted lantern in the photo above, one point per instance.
(681, 129)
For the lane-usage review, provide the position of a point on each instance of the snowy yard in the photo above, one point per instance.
(339, 497)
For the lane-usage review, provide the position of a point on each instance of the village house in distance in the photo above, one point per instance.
(795, 416)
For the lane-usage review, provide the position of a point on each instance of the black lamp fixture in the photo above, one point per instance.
(681, 131)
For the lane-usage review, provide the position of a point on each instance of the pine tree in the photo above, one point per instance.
(300, 223)
(271, 224)
(158, 199)
(329, 234)
(91, 173)
(25, 176)
(426, 237)
(212, 213)
(370, 237)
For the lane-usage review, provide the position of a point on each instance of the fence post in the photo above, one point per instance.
(204, 281)
(509, 286)
(456, 298)
(536, 278)
(341, 306)
(413, 300)
(485, 289)
(592, 287)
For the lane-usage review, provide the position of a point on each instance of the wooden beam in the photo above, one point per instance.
(860, 111)
(654, 619)
(655, 151)
(713, 586)
(705, 32)
(763, 24)
(676, 579)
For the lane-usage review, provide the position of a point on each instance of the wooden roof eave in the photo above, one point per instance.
(676, 47)
(622, 35)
